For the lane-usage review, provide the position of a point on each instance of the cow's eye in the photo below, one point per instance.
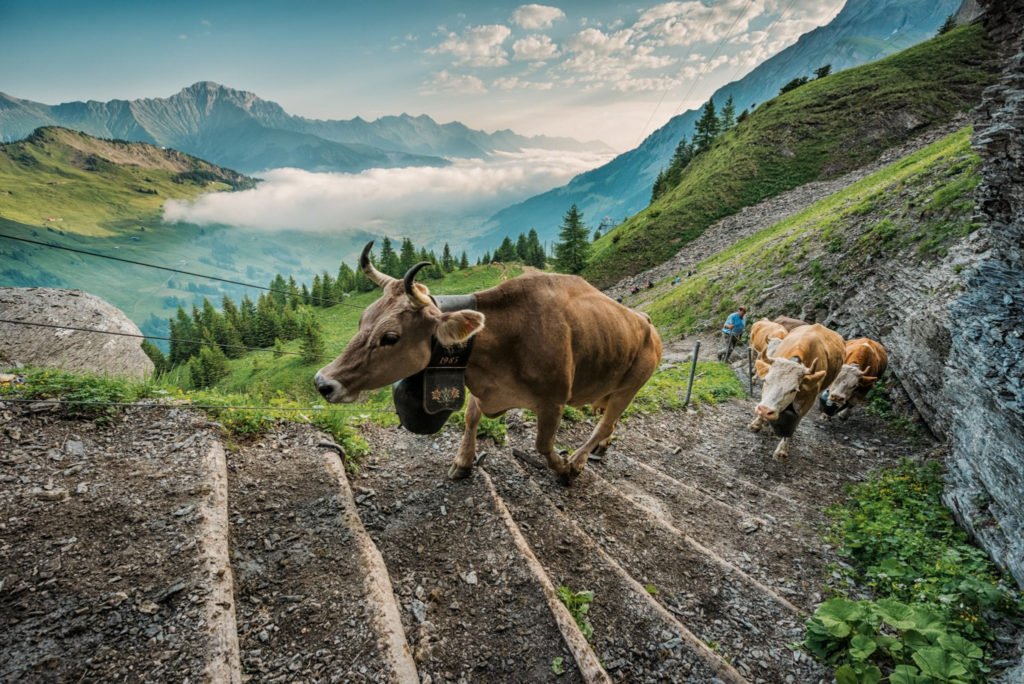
(388, 339)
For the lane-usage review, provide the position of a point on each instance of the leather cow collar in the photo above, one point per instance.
(426, 400)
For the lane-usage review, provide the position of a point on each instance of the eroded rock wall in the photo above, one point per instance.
(984, 374)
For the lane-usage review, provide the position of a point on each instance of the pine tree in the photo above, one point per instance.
(447, 262)
(522, 248)
(408, 257)
(506, 251)
(280, 289)
(947, 25)
(156, 356)
(572, 251)
(346, 280)
(389, 259)
(728, 115)
(823, 71)
(486, 258)
(464, 261)
(247, 330)
(209, 367)
(311, 339)
(707, 127)
(534, 250)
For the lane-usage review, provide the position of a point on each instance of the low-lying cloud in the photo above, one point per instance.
(405, 201)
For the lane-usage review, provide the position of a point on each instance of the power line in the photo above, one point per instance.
(166, 339)
(664, 94)
(168, 268)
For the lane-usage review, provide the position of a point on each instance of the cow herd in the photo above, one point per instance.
(801, 364)
(545, 341)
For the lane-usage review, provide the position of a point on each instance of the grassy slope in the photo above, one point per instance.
(83, 185)
(101, 195)
(912, 209)
(824, 128)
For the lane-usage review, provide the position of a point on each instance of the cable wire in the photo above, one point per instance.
(168, 268)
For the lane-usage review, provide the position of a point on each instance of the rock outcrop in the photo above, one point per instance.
(984, 374)
(71, 350)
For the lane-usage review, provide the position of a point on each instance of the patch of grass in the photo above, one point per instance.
(666, 390)
(935, 592)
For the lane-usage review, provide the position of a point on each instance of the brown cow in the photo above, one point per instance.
(540, 341)
(864, 363)
(805, 362)
(765, 336)
(790, 323)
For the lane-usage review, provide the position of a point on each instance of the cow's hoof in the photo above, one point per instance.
(565, 479)
(755, 426)
(457, 472)
(779, 455)
(823, 417)
(844, 415)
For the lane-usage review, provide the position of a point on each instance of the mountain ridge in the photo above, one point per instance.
(238, 129)
(622, 187)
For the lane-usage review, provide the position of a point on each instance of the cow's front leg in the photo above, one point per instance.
(548, 420)
(462, 465)
(757, 424)
(845, 413)
(781, 452)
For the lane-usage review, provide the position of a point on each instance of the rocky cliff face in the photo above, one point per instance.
(69, 349)
(984, 374)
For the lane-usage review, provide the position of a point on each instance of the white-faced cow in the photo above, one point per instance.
(765, 337)
(806, 361)
(864, 363)
(540, 341)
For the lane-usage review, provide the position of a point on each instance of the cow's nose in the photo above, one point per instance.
(324, 386)
(766, 413)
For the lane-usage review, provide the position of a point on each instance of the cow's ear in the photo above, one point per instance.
(456, 327)
(762, 367)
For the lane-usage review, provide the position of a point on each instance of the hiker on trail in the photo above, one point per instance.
(732, 330)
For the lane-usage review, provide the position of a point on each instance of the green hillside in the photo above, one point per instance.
(912, 210)
(62, 179)
(106, 196)
(819, 130)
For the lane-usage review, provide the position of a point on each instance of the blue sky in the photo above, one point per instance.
(613, 71)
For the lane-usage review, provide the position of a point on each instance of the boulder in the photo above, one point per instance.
(71, 350)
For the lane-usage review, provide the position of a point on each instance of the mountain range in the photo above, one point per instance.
(237, 129)
(862, 32)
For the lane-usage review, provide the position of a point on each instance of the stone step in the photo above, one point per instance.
(103, 574)
(304, 611)
(472, 606)
(635, 637)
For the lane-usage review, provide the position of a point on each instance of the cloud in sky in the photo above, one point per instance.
(391, 201)
(535, 48)
(536, 17)
(449, 83)
(478, 46)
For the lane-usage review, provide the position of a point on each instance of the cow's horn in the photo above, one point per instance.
(415, 295)
(375, 276)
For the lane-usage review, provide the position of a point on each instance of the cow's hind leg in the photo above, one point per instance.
(601, 437)
(462, 465)
(548, 420)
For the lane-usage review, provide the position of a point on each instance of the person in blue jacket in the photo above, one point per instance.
(732, 331)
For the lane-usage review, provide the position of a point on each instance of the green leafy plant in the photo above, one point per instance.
(914, 644)
(578, 605)
(558, 666)
(936, 592)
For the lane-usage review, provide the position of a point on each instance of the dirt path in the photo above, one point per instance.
(703, 555)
